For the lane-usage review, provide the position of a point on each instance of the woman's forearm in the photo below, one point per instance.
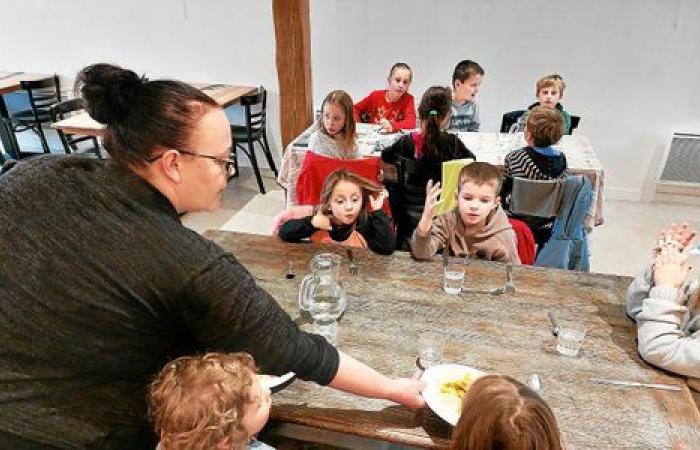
(357, 378)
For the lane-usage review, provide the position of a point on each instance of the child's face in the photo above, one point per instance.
(467, 90)
(346, 203)
(476, 202)
(400, 81)
(257, 412)
(333, 118)
(549, 96)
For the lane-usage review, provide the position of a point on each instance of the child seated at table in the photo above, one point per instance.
(549, 91)
(664, 300)
(537, 161)
(499, 412)
(392, 108)
(466, 80)
(478, 226)
(211, 401)
(429, 147)
(336, 136)
(342, 216)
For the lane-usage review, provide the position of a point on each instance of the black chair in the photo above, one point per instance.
(407, 195)
(42, 94)
(509, 119)
(70, 142)
(253, 131)
(574, 123)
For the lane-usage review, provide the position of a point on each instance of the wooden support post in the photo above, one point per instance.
(293, 43)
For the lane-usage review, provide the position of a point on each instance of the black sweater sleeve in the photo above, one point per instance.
(379, 233)
(295, 230)
(225, 310)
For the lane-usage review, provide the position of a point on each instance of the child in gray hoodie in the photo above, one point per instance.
(664, 300)
(478, 226)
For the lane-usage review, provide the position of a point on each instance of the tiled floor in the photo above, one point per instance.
(620, 246)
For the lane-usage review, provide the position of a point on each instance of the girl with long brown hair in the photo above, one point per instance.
(336, 136)
(343, 217)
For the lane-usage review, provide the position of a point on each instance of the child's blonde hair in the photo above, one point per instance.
(546, 126)
(481, 173)
(366, 188)
(500, 412)
(552, 80)
(342, 100)
(198, 402)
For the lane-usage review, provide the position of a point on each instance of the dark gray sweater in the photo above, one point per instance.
(100, 285)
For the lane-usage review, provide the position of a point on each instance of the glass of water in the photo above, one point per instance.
(453, 276)
(429, 348)
(570, 338)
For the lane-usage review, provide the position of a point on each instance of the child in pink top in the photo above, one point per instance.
(392, 108)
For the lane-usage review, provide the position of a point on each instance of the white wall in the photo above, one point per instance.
(211, 41)
(632, 66)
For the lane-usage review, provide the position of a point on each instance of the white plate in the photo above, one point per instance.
(271, 381)
(445, 405)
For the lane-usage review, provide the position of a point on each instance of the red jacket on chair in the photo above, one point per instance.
(316, 168)
(525, 241)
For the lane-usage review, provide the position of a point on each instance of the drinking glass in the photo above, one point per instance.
(429, 348)
(570, 338)
(453, 276)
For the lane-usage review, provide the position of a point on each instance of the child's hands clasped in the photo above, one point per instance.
(675, 235)
(321, 221)
(376, 203)
(669, 267)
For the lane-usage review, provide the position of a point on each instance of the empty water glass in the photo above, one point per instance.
(453, 276)
(570, 337)
(429, 348)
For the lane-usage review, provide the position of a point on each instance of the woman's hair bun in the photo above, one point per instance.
(108, 91)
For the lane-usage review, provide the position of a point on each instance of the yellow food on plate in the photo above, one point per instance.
(453, 391)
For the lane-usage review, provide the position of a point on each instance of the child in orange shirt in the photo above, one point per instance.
(392, 108)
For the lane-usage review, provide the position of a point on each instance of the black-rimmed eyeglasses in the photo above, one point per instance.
(226, 164)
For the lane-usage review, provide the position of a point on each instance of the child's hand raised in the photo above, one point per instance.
(432, 192)
(321, 221)
(377, 202)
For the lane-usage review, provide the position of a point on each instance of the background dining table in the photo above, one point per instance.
(487, 146)
(393, 297)
(82, 124)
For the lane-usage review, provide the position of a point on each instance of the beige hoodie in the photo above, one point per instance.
(496, 241)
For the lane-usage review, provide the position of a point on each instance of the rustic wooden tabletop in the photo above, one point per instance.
(393, 297)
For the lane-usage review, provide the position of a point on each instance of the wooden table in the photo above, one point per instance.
(83, 124)
(11, 82)
(392, 297)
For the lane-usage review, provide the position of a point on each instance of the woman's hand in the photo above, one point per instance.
(669, 267)
(432, 192)
(406, 391)
(675, 235)
(376, 203)
(321, 221)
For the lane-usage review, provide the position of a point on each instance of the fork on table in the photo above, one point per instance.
(354, 268)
